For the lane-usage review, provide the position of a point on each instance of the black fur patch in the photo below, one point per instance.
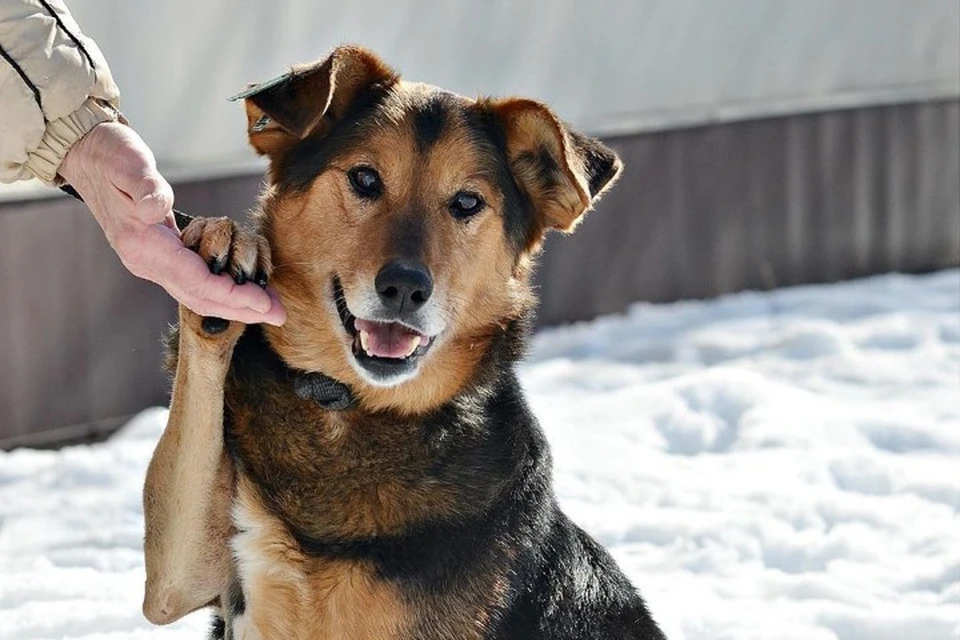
(600, 163)
(218, 628)
(238, 603)
(430, 119)
(549, 173)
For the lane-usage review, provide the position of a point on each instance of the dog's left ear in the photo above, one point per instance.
(311, 98)
(563, 172)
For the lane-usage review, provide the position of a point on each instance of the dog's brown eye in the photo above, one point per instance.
(366, 182)
(466, 204)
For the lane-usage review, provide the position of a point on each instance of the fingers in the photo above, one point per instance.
(135, 174)
(153, 198)
(116, 173)
(150, 194)
(276, 316)
(170, 222)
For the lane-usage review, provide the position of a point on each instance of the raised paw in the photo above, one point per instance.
(227, 248)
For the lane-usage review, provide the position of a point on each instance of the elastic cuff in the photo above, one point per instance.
(60, 135)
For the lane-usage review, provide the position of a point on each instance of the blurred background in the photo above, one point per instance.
(767, 143)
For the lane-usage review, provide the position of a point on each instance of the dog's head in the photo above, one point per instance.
(403, 218)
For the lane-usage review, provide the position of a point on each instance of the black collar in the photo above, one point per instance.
(324, 390)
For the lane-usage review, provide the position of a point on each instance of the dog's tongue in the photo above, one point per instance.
(387, 339)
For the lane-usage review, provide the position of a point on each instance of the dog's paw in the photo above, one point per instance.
(229, 249)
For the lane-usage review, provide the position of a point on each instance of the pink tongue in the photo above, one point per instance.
(387, 340)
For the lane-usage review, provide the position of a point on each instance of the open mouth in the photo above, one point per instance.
(385, 349)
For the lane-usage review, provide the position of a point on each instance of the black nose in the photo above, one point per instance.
(403, 285)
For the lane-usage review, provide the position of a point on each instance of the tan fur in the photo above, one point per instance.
(294, 597)
(187, 562)
(291, 596)
(532, 127)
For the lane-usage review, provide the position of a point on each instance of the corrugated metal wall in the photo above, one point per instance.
(756, 204)
(79, 336)
(699, 212)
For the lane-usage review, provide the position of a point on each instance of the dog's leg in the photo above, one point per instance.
(189, 485)
(186, 498)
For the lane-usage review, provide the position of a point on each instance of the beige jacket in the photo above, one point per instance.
(54, 87)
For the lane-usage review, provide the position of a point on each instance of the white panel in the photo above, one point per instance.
(608, 66)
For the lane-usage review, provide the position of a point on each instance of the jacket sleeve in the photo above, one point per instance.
(54, 87)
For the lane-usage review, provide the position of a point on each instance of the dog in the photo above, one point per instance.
(370, 470)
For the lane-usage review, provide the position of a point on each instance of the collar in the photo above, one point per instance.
(330, 394)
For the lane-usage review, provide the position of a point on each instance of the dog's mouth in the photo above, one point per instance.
(385, 349)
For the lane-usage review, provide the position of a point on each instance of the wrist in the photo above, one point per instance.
(63, 135)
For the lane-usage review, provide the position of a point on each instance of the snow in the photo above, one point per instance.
(783, 465)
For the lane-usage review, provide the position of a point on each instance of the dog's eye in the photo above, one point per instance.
(465, 204)
(366, 182)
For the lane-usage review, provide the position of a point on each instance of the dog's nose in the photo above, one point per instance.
(403, 285)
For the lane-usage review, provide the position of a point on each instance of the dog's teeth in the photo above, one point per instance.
(365, 342)
(414, 343)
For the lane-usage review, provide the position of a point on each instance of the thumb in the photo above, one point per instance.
(152, 197)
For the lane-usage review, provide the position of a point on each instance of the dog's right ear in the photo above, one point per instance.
(311, 98)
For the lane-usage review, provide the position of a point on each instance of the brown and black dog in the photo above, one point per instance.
(370, 470)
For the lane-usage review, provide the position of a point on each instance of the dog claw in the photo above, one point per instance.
(230, 250)
(217, 264)
(214, 325)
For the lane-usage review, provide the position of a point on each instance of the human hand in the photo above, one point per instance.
(115, 172)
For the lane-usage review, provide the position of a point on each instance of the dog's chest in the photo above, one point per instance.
(287, 595)
(336, 475)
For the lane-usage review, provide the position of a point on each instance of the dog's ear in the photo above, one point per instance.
(311, 98)
(563, 172)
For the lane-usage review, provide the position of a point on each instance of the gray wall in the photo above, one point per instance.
(763, 203)
(79, 336)
(698, 212)
(611, 67)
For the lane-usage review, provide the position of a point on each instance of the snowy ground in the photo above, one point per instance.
(779, 466)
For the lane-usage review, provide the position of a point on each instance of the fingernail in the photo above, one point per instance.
(262, 307)
(278, 318)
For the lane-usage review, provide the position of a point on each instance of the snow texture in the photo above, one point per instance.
(782, 465)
